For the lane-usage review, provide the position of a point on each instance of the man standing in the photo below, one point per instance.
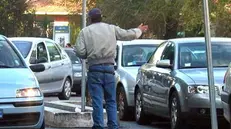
(97, 44)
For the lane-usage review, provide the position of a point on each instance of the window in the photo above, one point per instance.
(53, 52)
(33, 56)
(23, 46)
(136, 55)
(41, 53)
(157, 54)
(73, 57)
(9, 58)
(193, 55)
(169, 53)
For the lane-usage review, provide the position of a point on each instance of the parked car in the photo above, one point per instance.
(77, 70)
(58, 76)
(130, 56)
(21, 102)
(174, 83)
(226, 94)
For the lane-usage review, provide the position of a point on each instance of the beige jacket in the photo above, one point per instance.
(97, 42)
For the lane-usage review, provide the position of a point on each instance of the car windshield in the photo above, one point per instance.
(73, 57)
(136, 55)
(9, 58)
(194, 55)
(23, 46)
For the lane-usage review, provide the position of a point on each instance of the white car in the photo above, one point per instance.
(130, 56)
(58, 76)
(226, 94)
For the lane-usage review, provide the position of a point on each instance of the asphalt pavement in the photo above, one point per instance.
(162, 124)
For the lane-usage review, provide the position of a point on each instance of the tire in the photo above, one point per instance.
(176, 120)
(122, 105)
(43, 125)
(66, 93)
(140, 116)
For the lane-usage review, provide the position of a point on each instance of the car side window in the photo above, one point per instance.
(169, 52)
(42, 56)
(157, 54)
(33, 56)
(53, 52)
(63, 55)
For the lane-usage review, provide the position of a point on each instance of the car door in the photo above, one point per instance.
(57, 66)
(40, 55)
(164, 77)
(148, 72)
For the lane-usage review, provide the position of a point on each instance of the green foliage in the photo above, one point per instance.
(75, 29)
(14, 22)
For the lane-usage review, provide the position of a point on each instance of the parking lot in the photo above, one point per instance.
(160, 124)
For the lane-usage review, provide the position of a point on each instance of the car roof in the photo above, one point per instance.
(140, 41)
(31, 39)
(199, 40)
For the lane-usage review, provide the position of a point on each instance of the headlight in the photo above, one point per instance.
(200, 89)
(29, 92)
(78, 74)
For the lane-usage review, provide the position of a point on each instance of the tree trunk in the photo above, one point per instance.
(171, 28)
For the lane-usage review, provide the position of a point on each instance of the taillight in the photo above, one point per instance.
(226, 73)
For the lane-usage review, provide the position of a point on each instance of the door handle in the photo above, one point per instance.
(62, 63)
(48, 67)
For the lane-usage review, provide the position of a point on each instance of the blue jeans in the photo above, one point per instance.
(102, 84)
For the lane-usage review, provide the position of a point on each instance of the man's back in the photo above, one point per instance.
(100, 41)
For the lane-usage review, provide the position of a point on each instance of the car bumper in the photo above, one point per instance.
(197, 107)
(225, 102)
(21, 113)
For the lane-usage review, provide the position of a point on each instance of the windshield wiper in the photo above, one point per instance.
(133, 65)
(5, 66)
(221, 66)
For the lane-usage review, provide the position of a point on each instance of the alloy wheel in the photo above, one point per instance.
(138, 106)
(174, 112)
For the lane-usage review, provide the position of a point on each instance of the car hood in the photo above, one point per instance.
(199, 76)
(132, 71)
(13, 79)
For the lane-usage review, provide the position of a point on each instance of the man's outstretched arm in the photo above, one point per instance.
(130, 34)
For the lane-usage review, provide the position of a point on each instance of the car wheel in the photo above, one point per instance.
(140, 116)
(43, 125)
(66, 93)
(124, 113)
(175, 111)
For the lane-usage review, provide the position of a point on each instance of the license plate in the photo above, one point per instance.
(1, 114)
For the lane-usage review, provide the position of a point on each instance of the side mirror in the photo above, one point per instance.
(37, 68)
(164, 64)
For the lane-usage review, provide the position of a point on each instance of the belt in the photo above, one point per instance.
(105, 64)
(101, 71)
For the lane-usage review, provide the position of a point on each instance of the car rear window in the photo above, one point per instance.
(73, 57)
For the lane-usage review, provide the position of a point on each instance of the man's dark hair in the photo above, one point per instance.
(96, 19)
(68, 45)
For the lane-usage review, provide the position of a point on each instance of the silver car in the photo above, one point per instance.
(174, 84)
(77, 70)
(130, 56)
(21, 102)
(226, 93)
(57, 77)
